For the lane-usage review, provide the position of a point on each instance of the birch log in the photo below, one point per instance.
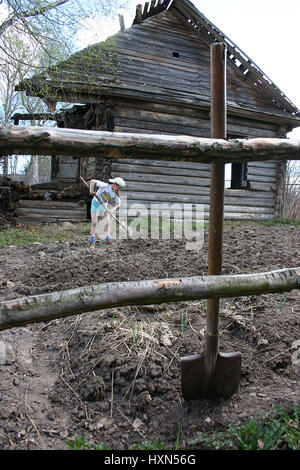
(75, 142)
(46, 307)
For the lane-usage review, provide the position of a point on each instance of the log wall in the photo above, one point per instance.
(174, 182)
(32, 212)
(159, 118)
(159, 185)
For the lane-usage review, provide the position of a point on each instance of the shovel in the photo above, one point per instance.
(213, 374)
(124, 227)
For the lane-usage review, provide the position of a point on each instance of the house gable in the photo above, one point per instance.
(165, 58)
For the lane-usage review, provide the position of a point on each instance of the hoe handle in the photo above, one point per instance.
(218, 131)
(125, 228)
(94, 194)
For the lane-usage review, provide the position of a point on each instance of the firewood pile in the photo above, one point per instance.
(11, 192)
(51, 193)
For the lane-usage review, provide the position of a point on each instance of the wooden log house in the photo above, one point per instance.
(154, 77)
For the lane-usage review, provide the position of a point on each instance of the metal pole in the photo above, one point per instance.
(218, 131)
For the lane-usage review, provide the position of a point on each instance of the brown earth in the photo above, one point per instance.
(114, 376)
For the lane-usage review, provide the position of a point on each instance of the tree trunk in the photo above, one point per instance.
(45, 307)
(75, 142)
(5, 166)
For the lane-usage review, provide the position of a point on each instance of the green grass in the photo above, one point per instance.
(22, 235)
(278, 430)
(17, 236)
(282, 303)
(269, 223)
(80, 443)
(149, 445)
(135, 328)
(280, 221)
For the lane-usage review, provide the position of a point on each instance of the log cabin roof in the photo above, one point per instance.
(164, 57)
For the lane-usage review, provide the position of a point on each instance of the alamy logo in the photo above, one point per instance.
(161, 221)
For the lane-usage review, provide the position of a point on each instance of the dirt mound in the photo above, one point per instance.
(115, 375)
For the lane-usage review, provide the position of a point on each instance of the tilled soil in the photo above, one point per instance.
(114, 375)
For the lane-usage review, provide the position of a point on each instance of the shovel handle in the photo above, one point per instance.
(216, 209)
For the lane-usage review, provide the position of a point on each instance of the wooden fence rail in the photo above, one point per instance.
(75, 142)
(44, 307)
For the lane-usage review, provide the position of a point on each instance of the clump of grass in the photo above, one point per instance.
(281, 221)
(80, 443)
(149, 445)
(278, 430)
(216, 440)
(113, 319)
(230, 304)
(135, 328)
(282, 303)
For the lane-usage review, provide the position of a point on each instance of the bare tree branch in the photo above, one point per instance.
(28, 13)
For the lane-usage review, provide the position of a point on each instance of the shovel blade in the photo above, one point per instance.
(222, 383)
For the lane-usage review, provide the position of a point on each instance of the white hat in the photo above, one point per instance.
(119, 181)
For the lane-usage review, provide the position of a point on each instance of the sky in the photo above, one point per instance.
(266, 30)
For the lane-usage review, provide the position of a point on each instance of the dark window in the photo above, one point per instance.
(238, 175)
(175, 54)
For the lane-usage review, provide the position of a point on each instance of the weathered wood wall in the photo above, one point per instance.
(35, 212)
(160, 184)
(159, 118)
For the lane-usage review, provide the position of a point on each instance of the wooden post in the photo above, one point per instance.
(138, 14)
(121, 22)
(216, 208)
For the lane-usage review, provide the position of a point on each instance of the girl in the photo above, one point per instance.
(107, 193)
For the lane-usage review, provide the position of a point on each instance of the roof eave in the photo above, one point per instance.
(67, 94)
